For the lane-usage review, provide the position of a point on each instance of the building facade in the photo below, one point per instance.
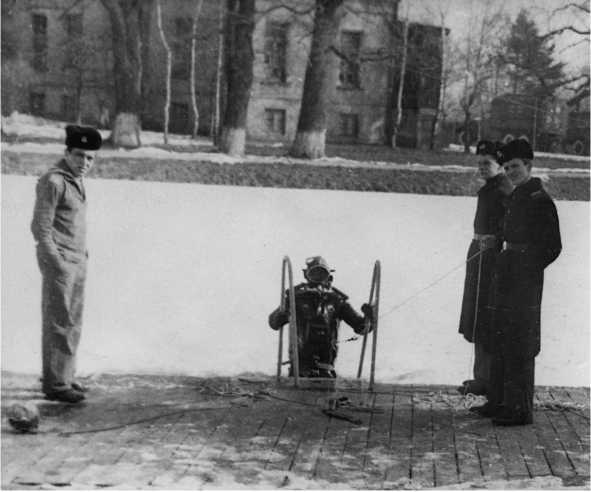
(58, 60)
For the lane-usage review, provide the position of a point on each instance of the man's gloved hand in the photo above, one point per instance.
(367, 310)
(368, 322)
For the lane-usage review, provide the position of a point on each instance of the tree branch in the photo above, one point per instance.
(579, 6)
(560, 30)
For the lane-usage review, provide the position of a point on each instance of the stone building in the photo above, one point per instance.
(57, 62)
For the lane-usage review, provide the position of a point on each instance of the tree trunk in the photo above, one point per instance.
(168, 69)
(79, 88)
(310, 138)
(216, 117)
(398, 113)
(439, 117)
(239, 60)
(196, 15)
(128, 20)
(467, 120)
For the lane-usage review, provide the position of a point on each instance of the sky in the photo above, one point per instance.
(458, 15)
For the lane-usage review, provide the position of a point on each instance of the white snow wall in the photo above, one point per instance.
(182, 277)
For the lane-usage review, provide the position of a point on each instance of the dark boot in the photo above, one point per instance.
(65, 394)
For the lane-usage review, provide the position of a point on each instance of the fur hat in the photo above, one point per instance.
(487, 147)
(83, 137)
(515, 149)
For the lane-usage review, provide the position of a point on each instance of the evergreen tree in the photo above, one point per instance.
(528, 59)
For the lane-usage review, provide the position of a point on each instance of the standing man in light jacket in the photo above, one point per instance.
(482, 254)
(59, 229)
(531, 242)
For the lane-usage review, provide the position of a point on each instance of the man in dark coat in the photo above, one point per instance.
(531, 242)
(319, 309)
(59, 229)
(482, 254)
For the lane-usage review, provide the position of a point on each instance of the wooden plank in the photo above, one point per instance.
(356, 442)
(492, 465)
(535, 459)
(196, 442)
(288, 441)
(34, 447)
(467, 452)
(309, 447)
(579, 395)
(446, 468)
(398, 472)
(422, 466)
(553, 449)
(515, 464)
(578, 415)
(377, 453)
(328, 463)
(570, 440)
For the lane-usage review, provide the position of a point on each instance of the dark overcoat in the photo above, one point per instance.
(532, 231)
(481, 258)
(319, 311)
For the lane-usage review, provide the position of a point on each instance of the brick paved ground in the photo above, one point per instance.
(190, 433)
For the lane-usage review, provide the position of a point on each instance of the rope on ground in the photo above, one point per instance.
(140, 421)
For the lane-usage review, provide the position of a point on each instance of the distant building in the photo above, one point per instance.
(57, 62)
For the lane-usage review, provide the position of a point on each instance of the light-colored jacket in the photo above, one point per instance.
(59, 218)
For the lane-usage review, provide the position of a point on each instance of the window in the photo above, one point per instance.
(181, 48)
(69, 107)
(349, 125)
(74, 50)
(37, 103)
(349, 75)
(276, 52)
(39, 24)
(74, 25)
(275, 121)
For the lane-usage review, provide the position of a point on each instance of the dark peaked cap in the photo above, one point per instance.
(486, 147)
(83, 137)
(515, 149)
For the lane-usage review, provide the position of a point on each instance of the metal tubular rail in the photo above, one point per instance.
(293, 327)
(374, 301)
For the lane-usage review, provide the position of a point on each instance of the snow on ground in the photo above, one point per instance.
(182, 278)
(25, 125)
(569, 157)
(57, 149)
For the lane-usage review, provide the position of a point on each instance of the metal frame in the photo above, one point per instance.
(293, 327)
(374, 302)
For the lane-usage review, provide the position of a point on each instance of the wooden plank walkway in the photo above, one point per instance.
(191, 433)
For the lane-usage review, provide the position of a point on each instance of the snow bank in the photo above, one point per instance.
(25, 125)
(182, 277)
(567, 157)
(148, 152)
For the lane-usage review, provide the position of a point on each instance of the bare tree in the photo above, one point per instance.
(476, 59)
(310, 137)
(130, 28)
(196, 14)
(168, 69)
(238, 57)
(401, 78)
(440, 113)
(577, 23)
